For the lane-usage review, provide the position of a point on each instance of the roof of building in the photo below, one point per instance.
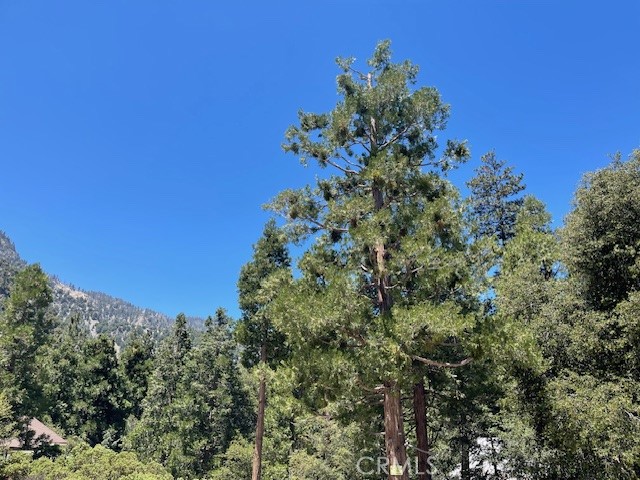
(41, 434)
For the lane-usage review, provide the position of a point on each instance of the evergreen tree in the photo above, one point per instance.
(157, 435)
(65, 377)
(7, 420)
(493, 205)
(602, 233)
(195, 404)
(263, 344)
(575, 415)
(24, 328)
(300, 443)
(104, 422)
(218, 404)
(369, 302)
(83, 385)
(525, 287)
(136, 365)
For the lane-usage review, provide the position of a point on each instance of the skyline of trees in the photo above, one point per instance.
(414, 328)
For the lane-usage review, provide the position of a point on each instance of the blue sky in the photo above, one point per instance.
(139, 139)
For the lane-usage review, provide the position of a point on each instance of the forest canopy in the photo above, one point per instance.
(418, 334)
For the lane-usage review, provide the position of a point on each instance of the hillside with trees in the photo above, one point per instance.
(99, 312)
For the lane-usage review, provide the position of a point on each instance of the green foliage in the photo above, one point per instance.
(158, 433)
(493, 206)
(602, 233)
(211, 384)
(596, 425)
(135, 368)
(83, 463)
(399, 279)
(104, 422)
(299, 443)
(15, 466)
(83, 386)
(380, 219)
(303, 466)
(236, 462)
(627, 325)
(257, 285)
(24, 328)
(530, 261)
(195, 403)
(576, 415)
(8, 424)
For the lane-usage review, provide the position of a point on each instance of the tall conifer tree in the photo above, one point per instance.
(136, 366)
(378, 286)
(157, 435)
(25, 326)
(494, 200)
(263, 344)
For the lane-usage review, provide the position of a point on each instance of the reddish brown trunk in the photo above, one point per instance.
(397, 467)
(394, 434)
(256, 470)
(380, 252)
(420, 413)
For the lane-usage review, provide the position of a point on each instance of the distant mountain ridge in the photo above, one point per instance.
(100, 312)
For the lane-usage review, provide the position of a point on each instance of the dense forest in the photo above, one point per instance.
(419, 334)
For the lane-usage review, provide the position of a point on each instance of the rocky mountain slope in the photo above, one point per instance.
(101, 313)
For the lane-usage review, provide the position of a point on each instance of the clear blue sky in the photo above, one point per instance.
(139, 139)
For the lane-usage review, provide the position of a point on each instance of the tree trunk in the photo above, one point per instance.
(465, 471)
(397, 467)
(420, 413)
(494, 462)
(394, 434)
(256, 470)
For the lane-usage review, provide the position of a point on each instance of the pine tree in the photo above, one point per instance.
(194, 404)
(156, 435)
(524, 289)
(136, 366)
(493, 205)
(84, 389)
(218, 405)
(263, 344)
(370, 303)
(64, 372)
(104, 390)
(24, 328)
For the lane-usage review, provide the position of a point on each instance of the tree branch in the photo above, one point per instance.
(396, 137)
(349, 162)
(378, 389)
(435, 363)
(322, 226)
(346, 171)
